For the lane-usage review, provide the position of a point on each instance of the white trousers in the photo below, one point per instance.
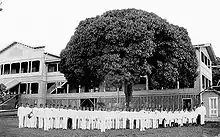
(21, 121)
(202, 119)
(41, 122)
(73, 122)
(46, 123)
(65, 122)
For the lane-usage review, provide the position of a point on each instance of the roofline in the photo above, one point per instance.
(210, 90)
(46, 53)
(210, 50)
(12, 44)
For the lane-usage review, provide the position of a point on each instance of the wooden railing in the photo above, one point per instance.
(51, 89)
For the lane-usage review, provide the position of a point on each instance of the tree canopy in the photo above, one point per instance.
(2, 89)
(216, 73)
(119, 46)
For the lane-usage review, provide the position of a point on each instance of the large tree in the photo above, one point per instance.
(216, 73)
(120, 46)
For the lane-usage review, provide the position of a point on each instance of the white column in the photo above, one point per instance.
(28, 67)
(9, 68)
(117, 95)
(146, 82)
(79, 89)
(31, 67)
(19, 86)
(30, 89)
(178, 85)
(19, 67)
(67, 88)
(3, 69)
(26, 88)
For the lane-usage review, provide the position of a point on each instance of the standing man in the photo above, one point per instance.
(27, 115)
(21, 115)
(142, 119)
(65, 117)
(47, 115)
(202, 112)
(35, 113)
(40, 116)
(103, 114)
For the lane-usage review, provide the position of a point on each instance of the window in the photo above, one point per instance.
(209, 64)
(24, 67)
(49, 85)
(1, 69)
(35, 66)
(29, 70)
(52, 67)
(205, 82)
(206, 61)
(23, 87)
(203, 57)
(28, 88)
(7, 69)
(187, 103)
(15, 68)
(209, 83)
(213, 106)
(34, 88)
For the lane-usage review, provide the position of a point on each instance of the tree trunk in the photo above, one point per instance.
(128, 93)
(86, 88)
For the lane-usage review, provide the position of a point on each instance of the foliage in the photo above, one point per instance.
(121, 45)
(2, 89)
(216, 73)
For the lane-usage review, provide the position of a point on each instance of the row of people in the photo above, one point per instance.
(61, 117)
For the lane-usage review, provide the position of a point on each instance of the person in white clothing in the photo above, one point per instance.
(34, 117)
(102, 117)
(28, 115)
(142, 119)
(40, 116)
(136, 118)
(202, 112)
(131, 118)
(65, 117)
(21, 116)
(46, 115)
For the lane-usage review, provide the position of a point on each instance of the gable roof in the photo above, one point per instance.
(211, 90)
(46, 53)
(14, 43)
(210, 50)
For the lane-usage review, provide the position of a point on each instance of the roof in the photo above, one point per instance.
(213, 89)
(210, 50)
(46, 53)
(14, 43)
(55, 58)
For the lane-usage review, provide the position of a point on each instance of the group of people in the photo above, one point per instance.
(63, 117)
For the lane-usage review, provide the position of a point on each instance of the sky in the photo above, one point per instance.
(51, 23)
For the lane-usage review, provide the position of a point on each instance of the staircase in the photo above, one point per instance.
(10, 102)
(51, 89)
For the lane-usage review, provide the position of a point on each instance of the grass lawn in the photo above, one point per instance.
(9, 128)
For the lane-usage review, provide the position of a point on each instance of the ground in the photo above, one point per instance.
(9, 128)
